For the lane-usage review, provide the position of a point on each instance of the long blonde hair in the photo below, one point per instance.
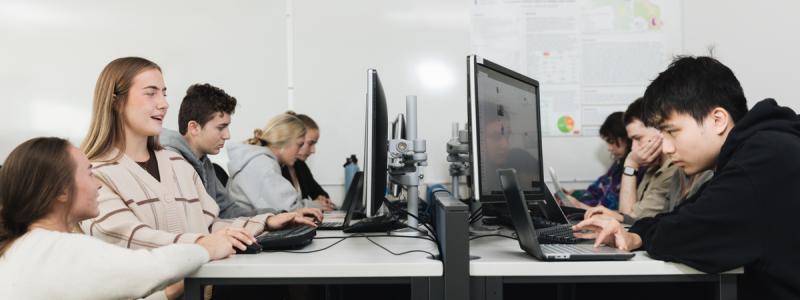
(107, 130)
(280, 130)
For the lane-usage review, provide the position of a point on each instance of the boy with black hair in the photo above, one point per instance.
(741, 217)
(203, 121)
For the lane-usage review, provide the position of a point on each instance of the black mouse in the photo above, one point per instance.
(253, 248)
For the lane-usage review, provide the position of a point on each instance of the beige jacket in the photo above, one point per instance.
(137, 211)
(651, 194)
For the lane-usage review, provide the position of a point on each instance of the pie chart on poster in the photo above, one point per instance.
(566, 124)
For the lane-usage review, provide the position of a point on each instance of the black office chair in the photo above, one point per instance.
(221, 174)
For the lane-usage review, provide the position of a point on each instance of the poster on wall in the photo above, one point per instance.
(591, 57)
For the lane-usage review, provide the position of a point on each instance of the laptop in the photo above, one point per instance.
(557, 185)
(528, 239)
(354, 193)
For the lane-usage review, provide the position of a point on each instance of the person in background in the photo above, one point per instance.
(204, 120)
(300, 175)
(151, 197)
(255, 165)
(605, 190)
(648, 197)
(47, 187)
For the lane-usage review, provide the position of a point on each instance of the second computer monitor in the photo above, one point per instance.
(504, 122)
(375, 144)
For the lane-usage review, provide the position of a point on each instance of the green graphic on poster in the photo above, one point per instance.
(566, 124)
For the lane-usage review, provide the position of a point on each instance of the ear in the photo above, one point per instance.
(63, 198)
(720, 120)
(193, 128)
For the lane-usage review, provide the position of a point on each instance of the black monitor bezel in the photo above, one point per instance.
(473, 61)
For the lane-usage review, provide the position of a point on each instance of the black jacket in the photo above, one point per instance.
(744, 215)
(308, 186)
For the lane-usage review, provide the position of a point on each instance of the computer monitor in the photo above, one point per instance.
(375, 145)
(504, 123)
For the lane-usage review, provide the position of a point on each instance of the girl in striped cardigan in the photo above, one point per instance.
(149, 196)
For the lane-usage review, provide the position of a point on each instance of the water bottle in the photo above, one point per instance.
(350, 169)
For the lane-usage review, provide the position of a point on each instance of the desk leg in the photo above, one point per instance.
(193, 289)
(420, 288)
(727, 287)
(486, 288)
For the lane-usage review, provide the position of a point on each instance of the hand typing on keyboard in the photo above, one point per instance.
(310, 212)
(287, 219)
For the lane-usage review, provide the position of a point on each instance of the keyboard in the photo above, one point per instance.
(294, 237)
(538, 222)
(330, 225)
(560, 234)
(375, 224)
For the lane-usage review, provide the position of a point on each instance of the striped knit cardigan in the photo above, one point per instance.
(137, 211)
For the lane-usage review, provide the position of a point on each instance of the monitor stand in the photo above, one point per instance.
(477, 227)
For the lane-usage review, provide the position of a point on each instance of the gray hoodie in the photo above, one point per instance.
(228, 209)
(256, 179)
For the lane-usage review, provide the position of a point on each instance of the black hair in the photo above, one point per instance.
(695, 86)
(201, 103)
(613, 130)
(633, 113)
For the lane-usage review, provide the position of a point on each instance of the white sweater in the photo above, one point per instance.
(45, 264)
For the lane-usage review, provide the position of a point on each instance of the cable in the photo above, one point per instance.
(401, 253)
(486, 235)
(310, 251)
(427, 238)
(430, 230)
(476, 215)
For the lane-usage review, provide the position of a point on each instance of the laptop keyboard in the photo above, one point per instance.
(331, 224)
(559, 234)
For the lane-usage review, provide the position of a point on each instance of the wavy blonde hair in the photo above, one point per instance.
(280, 130)
(107, 131)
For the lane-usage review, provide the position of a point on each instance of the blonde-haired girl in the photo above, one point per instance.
(255, 165)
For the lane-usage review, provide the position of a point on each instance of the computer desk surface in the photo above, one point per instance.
(353, 257)
(502, 262)
(501, 256)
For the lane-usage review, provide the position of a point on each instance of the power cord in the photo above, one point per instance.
(400, 253)
(488, 235)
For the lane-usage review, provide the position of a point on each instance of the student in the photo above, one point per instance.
(255, 165)
(203, 122)
(648, 197)
(45, 189)
(151, 197)
(605, 190)
(743, 215)
(299, 174)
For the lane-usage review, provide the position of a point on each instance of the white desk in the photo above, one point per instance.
(503, 261)
(354, 260)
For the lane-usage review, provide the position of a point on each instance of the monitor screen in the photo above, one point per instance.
(505, 130)
(375, 144)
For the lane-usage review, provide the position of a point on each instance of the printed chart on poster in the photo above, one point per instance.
(591, 57)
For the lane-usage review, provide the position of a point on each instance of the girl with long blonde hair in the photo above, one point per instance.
(151, 197)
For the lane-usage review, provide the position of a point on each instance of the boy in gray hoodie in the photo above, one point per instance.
(203, 121)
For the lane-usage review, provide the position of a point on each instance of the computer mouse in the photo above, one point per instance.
(253, 248)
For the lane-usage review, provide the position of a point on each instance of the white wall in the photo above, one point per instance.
(52, 52)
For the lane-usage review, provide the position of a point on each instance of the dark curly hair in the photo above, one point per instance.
(201, 103)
